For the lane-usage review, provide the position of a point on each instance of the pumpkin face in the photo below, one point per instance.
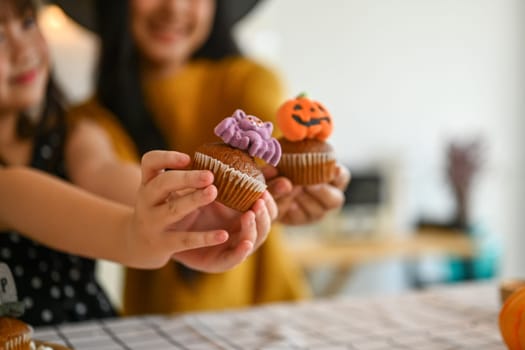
(302, 118)
(512, 320)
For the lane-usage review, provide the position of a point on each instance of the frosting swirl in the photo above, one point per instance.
(249, 133)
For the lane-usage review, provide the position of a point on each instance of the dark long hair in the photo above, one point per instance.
(118, 84)
(53, 111)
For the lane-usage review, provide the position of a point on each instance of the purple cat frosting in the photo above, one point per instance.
(249, 133)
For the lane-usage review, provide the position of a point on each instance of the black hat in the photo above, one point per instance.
(235, 10)
(83, 11)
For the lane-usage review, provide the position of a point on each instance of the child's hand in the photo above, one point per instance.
(151, 240)
(176, 217)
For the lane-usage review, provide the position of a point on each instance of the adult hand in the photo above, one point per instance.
(300, 205)
(247, 231)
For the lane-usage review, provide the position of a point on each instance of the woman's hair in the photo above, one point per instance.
(118, 78)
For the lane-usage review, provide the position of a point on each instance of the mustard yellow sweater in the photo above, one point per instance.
(186, 108)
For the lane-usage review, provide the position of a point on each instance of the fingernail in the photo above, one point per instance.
(221, 236)
(209, 190)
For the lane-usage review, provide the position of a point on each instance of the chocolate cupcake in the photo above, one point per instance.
(15, 334)
(18, 335)
(307, 159)
(238, 179)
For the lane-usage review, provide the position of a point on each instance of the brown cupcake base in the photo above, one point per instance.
(308, 168)
(235, 189)
(14, 334)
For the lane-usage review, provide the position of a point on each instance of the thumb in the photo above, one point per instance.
(280, 187)
(269, 172)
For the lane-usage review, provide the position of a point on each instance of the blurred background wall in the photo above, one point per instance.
(402, 78)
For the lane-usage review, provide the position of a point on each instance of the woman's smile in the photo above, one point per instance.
(168, 33)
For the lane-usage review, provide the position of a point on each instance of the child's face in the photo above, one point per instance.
(24, 60)
(168, 32)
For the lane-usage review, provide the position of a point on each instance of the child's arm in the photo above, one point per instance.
(94, 165)
(57, 214)
(66, 218)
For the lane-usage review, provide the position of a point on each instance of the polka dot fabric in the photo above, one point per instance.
(55, 287)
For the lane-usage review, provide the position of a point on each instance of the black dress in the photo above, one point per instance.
(55, 287)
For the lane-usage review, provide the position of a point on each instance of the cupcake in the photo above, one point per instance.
(238, 179)
(307, 159)
(14, 334)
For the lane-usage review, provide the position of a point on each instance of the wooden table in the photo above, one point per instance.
(341, 255)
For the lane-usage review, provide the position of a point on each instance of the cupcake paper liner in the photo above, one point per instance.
(19, 342)
(17, 335)
(235, 189)
(308, 168)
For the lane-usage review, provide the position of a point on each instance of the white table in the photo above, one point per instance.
(455, 317)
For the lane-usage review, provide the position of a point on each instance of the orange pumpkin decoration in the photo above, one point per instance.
(301, 118)
(512, 320)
